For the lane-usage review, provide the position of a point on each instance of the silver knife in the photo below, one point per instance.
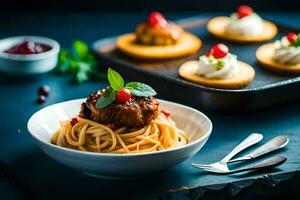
(272, 145)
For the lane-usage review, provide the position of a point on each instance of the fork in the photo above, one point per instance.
(265, 164)
(221, 166)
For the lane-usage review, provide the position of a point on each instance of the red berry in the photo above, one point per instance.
(209, 53)
(219, 51)
(166, 113)
(44, 90)
(73, 121)
(41, 99)
(157, 19)
(292, 37)
(244, 11)
(123, 95)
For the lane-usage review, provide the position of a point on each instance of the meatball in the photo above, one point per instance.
(148, 35)
(135, 113)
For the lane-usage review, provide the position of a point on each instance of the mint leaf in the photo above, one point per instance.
(107, 98)
(79, 62)
(63, 61)
(140, 89)
(81, 77)
(115, 79)
(82, 73)
(80, 49)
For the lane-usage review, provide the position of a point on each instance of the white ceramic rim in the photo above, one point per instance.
(204, 137)
(31, 57)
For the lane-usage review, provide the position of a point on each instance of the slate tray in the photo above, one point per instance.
(266, 90)
(282, 185)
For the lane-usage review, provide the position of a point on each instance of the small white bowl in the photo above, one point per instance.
(45, 122)
(28, 64)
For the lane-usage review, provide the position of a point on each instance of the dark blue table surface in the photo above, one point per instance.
(48, 179)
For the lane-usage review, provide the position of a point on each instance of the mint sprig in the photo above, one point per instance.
(79, 62)
(115, 80)
(140, 89)
(117, 83)
(106, 99)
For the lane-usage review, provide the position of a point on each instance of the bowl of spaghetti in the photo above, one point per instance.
(120, 132)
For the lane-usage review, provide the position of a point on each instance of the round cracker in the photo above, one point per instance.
(217, 27)
(244, 76)
(187, 44)
(265, 56)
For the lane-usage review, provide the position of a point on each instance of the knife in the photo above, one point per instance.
(272, 145)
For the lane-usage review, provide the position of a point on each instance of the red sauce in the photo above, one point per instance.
(28, 47)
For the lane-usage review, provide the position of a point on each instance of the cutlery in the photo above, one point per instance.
(265, 164)
(272, 145)
(222, 164)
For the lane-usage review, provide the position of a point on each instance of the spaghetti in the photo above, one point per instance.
(87, 135)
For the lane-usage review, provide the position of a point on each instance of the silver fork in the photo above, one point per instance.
(221, 166)
(267, 163)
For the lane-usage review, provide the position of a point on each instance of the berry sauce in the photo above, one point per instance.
(28, 47)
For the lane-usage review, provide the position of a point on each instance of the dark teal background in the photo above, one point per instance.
(148, 5)
(47, 179)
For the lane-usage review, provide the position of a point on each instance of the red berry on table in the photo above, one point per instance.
(219, 51)
(123, 96)
(41, 99)
(44, 90)
(244, 11)
(292, 37)
(166, 113)
(157, 19)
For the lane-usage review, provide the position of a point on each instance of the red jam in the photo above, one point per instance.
(28, 47)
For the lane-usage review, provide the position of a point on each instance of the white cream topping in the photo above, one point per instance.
(221, 68)
(285, 53)
(249, 25)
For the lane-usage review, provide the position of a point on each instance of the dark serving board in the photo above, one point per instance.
(267, 89)
(282, 185)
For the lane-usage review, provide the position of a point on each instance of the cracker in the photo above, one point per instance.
(265, 56)
(244, 76)
(188, 44)
(217, 27)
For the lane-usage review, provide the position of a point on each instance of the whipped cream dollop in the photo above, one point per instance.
(249, 25)
(286, 53)
(214, 68)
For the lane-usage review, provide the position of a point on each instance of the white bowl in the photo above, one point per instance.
(45, 122)
(28, 64)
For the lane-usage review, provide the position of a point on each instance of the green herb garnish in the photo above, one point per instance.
(115, 80)
(220, 64)
(117, 83)
(107, 98)
(79, 62)
(140, 89)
